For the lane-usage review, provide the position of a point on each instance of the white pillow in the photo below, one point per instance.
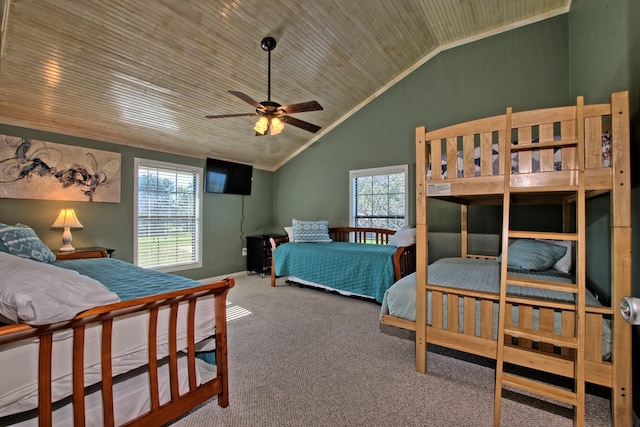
(38, 293)
(289, 231)
(403, 237)
(564, 264)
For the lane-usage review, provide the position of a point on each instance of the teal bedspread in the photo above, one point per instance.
(359, 268)
(127, 280)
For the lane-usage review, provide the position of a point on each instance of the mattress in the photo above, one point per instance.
(481, 275)
(19, 387)
(358, 268)
(130, 399)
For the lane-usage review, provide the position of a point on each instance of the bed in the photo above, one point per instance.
(543, 167)
(103, 342)
(354, 261)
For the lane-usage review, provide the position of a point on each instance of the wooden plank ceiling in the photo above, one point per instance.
(146, 73)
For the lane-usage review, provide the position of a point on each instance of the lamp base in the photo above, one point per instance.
(67, 248)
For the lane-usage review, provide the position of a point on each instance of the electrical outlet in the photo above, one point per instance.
(244, 251)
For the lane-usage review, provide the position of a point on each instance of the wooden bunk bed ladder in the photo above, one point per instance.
(571, 340)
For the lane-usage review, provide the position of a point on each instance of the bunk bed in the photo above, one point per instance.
(355, 261)
(103, 342)
(561, 155)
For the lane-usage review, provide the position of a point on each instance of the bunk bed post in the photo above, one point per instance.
(422, 251)
(464, 228)
(621, 391)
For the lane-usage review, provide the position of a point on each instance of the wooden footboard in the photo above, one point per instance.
(105, 316)
(466, 321)
(404, 259)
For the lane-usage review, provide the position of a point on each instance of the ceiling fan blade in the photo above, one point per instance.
(221, 116)
(247, 99)
(300, 124)
(301, 107)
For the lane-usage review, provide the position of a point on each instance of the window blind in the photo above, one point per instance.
(168, 224)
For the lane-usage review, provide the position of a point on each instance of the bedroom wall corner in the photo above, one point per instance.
(608, 33)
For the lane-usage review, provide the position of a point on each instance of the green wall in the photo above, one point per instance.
(605, 45)
(111, 224)
(464, 83)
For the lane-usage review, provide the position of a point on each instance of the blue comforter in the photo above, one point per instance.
(358, 268)
(128, 281)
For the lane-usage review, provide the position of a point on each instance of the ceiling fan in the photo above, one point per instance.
(272, 115)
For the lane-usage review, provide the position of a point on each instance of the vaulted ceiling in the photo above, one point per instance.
(146, 73)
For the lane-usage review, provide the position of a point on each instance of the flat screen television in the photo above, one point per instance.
(226, 177)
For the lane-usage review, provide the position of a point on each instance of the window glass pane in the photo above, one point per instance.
(379, 197)
(168, 216)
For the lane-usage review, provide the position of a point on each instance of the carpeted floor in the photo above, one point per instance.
(304, 357)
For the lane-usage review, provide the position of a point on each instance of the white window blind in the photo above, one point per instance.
(168, 216)
(379, 197)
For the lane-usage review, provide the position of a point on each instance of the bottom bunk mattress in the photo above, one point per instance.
(481, 275)
(19, 387)
(358, 268)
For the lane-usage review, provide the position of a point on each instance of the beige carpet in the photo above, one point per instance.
(304, 357)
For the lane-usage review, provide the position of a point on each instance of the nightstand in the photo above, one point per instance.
(79, 253)
(259, 254)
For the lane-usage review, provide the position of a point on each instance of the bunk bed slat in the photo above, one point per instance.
(546, 154)
(486, 153)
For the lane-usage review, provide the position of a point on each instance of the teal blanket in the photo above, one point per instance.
(359, 268)
(127, 280)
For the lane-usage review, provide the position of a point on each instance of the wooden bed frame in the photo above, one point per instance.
(404, 259)
(487, 188)
(105, 316)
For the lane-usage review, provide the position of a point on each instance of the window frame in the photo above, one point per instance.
(384, 170)
(178, 168)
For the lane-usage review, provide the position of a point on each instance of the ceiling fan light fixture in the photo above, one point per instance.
(273, 115)
(276, 126)
(261, 125)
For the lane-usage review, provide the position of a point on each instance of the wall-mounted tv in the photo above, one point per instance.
(226, 177)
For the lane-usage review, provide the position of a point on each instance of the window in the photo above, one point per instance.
(167, 208)
(379, 197)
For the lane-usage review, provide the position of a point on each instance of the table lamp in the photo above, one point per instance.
(66, 219)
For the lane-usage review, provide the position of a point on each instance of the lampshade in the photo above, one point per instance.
(272, 125)
(261, 125)
(66, 219)
(276, 126)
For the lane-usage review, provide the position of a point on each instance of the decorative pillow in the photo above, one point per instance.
(289, 231)
(38, 293)
(564, 264)
(22, 241)
(310, 231)
(527, 254)
(3, 248)
(403, 237)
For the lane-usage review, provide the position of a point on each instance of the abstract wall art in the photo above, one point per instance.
(32, 169)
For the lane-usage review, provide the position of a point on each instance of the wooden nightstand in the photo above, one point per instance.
(79, 253)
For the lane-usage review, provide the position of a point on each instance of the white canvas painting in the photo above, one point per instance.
(32, 169)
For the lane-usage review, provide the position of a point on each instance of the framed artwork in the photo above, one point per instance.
(32, 169)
